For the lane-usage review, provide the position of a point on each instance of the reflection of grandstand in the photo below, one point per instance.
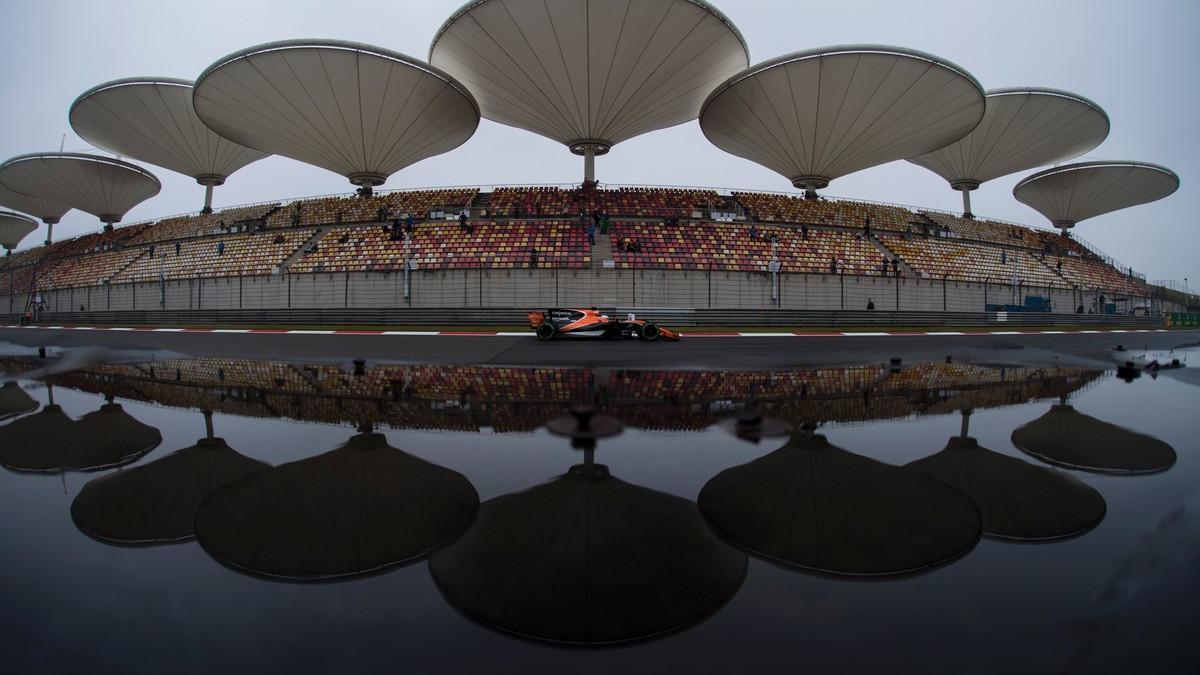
(471, 398)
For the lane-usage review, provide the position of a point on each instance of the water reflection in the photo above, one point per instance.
(587, 558)
(819, 507)
(14, 401)
(1016, 499)
(1068, 438)
(357, 509)
(157, 502)
(51, 442)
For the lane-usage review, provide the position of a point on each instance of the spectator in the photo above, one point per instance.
(1003, 257)
(804, 232)
(533, 258)
(381, 214)
(582, 216)
(596, 220)
(296, 216)
(338, 218)
(867, 227)
(82, 308)
(604, 224)
(177, 249)
(278, 239)
(220, 248)
(408, 223)
(1060, 265)
(462, 222)
(832, 265)
(151, 250)
(896, 266)
(753, 231)
(591, 234)
(870, 304)
(884, 265)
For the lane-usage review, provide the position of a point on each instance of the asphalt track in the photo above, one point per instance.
(762, 353)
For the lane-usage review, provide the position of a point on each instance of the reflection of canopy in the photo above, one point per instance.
(13, 228)
(50, 442)
(157, 502)
(589, 73)
(816, 115)
(357, 110)
(1073, 193)
(104, 187)
(588, 559)
(153, 120)
(357, 509)
(1016, 499)
(819, 507)
(1067, 437)
(47, 211)
(14, 401)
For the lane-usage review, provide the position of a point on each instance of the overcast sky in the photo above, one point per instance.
(1138, 60)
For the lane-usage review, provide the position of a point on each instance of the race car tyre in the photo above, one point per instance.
(648, 332)
(546, 332)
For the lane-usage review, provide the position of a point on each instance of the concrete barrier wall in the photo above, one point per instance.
(544, 288)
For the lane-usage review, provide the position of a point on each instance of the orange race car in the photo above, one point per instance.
(576, 323)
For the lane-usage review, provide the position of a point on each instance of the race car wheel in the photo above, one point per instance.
(546, 332)
(648, 332)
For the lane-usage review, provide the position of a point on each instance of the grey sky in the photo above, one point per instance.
(1131, 58)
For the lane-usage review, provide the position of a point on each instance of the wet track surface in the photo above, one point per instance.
(740, 352)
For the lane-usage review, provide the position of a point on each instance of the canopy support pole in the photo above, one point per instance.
(208, 190)
(49, 233)
(589, 164)
(967, 204)
(208, 425)
(966, 422)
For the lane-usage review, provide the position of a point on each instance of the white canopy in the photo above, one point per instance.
(104, 187)
(1073, 193)
(1022, 128)
(152, 119)
(13, 228)
(815, 115)
(354, 109)
(589, 73)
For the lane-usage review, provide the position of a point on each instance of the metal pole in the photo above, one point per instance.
(208, 190)
(967, 204)
(589, 164)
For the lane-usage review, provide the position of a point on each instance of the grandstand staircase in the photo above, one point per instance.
(299, 252)
(601, 250)
(481, 201)
(119, 270)
(909, 272)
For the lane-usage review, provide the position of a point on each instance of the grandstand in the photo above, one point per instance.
(668, 230)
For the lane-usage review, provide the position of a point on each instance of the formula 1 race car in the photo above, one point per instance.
(573, 323)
